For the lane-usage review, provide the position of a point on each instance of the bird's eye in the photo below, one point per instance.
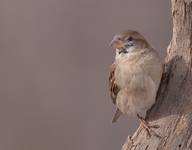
(130, 39)
(118, 38)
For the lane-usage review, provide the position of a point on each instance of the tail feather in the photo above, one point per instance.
(116, 115)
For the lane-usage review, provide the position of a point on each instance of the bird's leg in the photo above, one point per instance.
(148, 127)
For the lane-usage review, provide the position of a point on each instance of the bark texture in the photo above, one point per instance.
(173, 109)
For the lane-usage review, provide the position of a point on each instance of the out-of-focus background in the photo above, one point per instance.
(54, 66)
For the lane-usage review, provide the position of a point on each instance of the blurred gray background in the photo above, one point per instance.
(54, 66)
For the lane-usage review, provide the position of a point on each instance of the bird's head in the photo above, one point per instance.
(128, 41)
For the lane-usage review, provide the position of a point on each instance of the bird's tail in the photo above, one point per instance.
(117, 115)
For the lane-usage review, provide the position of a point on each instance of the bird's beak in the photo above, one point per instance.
(117, 44)
(112, 42)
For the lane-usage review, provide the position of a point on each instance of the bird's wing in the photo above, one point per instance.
(114, 89)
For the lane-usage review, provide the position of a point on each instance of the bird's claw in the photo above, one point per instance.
(148, 127)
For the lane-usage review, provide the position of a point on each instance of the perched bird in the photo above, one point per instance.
(134, 76)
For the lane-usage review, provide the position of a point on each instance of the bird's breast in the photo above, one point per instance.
(138, 65)
(124, 71)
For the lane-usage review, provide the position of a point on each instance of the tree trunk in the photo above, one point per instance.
(173, 108)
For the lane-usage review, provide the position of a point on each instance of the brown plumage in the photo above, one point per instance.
(135, 74)
(113, 88)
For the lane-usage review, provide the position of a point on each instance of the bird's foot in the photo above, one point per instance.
(148, 127)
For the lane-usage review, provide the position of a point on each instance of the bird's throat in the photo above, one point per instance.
(122, 50)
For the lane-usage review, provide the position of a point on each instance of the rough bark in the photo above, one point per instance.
(173, 109)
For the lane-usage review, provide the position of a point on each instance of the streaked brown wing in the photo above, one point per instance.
(113, 88)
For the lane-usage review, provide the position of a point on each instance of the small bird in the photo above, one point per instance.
(134, 76)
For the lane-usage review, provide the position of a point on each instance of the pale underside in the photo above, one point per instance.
(137, 74)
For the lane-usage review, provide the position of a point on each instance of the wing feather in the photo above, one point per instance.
(113, 88)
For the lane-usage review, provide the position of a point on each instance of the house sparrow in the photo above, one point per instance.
(134, 76)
